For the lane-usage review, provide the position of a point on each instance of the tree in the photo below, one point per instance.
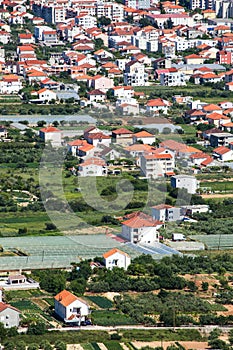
(33, 346)
(99, 44)
(3, 332)
(41, 123)
(37, 329)
(9, 346)
(45, 345)
(21, 345)
(104, 21)
(144, 22)
(205, 286)
(59, 345)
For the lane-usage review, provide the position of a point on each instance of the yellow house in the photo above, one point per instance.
(194, 59)
(209, 14)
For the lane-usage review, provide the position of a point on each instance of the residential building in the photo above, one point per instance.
(122, 136)
(157, 163)
(157, 105)
(92, 166)
(144, 137)
(116, 258)
(86, 21)
(52, 135)
(221, 139)
(101, 83)
(9, 315)
(223, 154)
(164, 212)
(10, 84)
(134, 74)
(188, 182)
(71, 309)
(173, 78)
(141, 228)
(98, 138)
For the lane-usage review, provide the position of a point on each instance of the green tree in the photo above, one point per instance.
(104, 21)
(37, 329)
(45, 345)
(59, 345)
(205, 286)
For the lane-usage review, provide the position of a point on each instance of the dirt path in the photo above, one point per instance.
(186, 344)
(217, 195)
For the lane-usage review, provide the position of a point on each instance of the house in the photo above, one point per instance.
(223, 154)
(128, 109)
(220, 139)
(164, 212)
(10, 84)
(93, 166)
(9, 315)
(98, 138)
(52, 135)
(187, 182)
(138, 150)
(122, 136)
(194, 59)
(198, 158)
(194, 209)
(123, 92)
(180, 149)
(212, 108)
(71, 309)
(141, 228)
(73, 146)
(173, 78)
(96, 96)
(45, 95)
(157, 105)
(26, 38)
(134, 74)
(101, 83)
(144, 137)
(116, 258)
(106, 153)
(90, 130)
(86, 21)
(159, 162)
(3, 132)
(218, 119)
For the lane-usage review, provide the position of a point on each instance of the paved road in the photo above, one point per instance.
(206, 329)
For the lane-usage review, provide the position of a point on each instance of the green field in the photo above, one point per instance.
(26, 305)
(220, 186)
(111, 318)
(102, 302)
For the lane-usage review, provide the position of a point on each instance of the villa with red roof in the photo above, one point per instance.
(116, 258)
(93, 166)
(223, 154)
(158, 163)
(141, 228)
(157, 105)
(122, 136)
(144, 137)
(52, 135)
(71, 309)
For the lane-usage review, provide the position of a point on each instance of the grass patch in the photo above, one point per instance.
(111, 318)
(26, 305)
(102, 302)
(217, 307)
(50, 301)
(156, 334)
(113, 345)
